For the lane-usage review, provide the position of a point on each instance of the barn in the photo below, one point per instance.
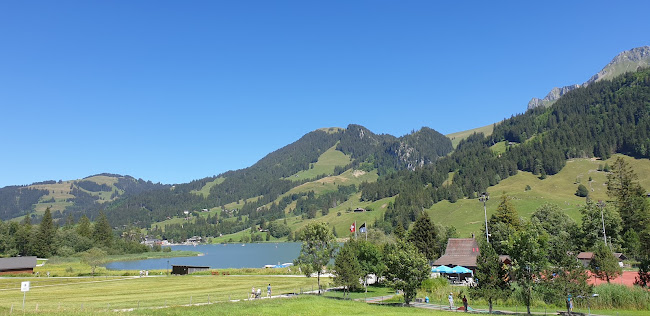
(16, 265)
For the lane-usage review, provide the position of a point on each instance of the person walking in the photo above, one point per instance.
(465, 303)
(268, 291)
(252, 293)
(451, 300)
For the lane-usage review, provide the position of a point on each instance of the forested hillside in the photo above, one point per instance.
(258, 187)
(69, 197)
(604, 118)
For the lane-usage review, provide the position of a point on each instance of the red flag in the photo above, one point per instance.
(353, 228)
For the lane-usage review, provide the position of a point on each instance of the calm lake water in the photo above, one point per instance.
(220, 256)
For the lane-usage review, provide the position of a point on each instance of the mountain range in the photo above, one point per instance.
(343, 168)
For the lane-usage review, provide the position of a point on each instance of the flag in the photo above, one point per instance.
(362, 229)
(353, 228)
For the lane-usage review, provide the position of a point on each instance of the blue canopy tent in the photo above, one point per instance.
(442, 269)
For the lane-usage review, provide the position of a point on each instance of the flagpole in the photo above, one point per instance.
(355, 229)
(366, 229)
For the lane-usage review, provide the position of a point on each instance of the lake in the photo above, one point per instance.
(219, 256)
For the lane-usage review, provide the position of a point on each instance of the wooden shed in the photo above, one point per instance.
(188, 269)
(15, 265)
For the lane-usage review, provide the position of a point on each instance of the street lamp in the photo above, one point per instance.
(484, 197)
(602, 217)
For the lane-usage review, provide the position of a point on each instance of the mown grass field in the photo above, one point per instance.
(101, 293)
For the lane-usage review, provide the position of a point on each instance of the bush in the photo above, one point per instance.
(582, 191)
(618, 296)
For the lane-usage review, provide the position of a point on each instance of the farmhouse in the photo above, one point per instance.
(585, 258)
(17, 265)
(460, 252)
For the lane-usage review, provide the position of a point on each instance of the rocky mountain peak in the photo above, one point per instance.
(626, 61)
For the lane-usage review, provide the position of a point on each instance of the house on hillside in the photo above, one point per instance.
(15, 265)
(460, 252)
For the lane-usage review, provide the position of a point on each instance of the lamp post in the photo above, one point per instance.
(602, 217)
(484, 197)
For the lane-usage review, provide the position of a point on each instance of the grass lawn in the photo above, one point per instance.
(373, 291)
(101, 293)
(205, 190)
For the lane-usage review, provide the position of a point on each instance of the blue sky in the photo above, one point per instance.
(172, 91)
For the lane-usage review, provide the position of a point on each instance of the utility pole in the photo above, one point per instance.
(602, 217)
(484, 197)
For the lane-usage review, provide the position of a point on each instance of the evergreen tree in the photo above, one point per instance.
(423, 235)
(84, 228)
(491, 276)
(69, 222)
(505, 222)
(23, 237)
(604, 265)
(623, 186)
(103, 233)
(399, 232)
(44, 242)
(347, 268)
(582, 191)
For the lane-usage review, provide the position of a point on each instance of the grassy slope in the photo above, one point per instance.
(205, 190)
(325, 165)
(458, 136)
(467, 215)
(61, 192)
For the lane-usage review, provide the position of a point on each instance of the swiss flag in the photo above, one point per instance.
(353, 228)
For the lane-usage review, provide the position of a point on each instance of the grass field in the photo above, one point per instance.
(52, 294)
(325, 165)
(458, 136)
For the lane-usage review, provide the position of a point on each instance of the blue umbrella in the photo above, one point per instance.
(460, 269)
(442, 269)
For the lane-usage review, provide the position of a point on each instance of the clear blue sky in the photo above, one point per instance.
(171, 91)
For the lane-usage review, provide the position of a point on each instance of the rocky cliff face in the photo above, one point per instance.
(626, 61)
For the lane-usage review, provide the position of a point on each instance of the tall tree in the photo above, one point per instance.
(347, 269)
(592, 224)
(491, 276)
(44, 242)
(623, 186)
(529, 251)
(565, 275)
(370, 258)
(505, 222)
(317, 249)
(103, 233)
(23, 237)
(604, 265)
(423, 236)
(406, 268)
(83, 227)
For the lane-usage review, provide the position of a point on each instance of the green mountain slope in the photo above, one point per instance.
(68, 196)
